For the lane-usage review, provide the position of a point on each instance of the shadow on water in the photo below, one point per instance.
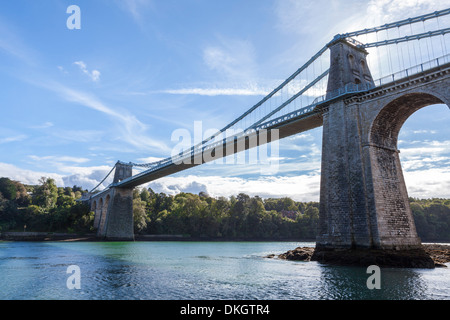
(350, 283)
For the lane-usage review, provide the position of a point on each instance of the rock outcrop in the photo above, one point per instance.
(429, 256)
(413, 258)
(298, 254)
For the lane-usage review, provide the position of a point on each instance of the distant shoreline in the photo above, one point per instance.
(67, 237)
(70, 237)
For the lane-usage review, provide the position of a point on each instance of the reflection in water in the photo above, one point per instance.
(200, 271)
(350, 283)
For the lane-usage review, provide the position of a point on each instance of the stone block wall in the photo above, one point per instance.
(364, 201)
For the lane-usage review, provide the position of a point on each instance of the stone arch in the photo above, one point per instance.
(94, 209)
(98, 213)
(103, 215)
(351, 60)
(386, 126)
(392, 204)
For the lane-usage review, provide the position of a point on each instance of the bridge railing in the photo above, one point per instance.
(414, 70)
(357, 88)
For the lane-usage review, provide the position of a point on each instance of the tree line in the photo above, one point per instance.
(43, 208)
(240, 216)
(48, 208)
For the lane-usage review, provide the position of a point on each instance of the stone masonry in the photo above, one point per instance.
(114, 209)
(364, 202)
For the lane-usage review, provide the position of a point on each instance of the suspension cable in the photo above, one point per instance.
(443, 45)
(406, 38)
(103, 179)
(294, 97)
(399, 23)
(278, 92)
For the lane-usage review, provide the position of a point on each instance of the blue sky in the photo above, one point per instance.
(73, 102)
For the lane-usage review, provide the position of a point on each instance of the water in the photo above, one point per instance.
(197, 271)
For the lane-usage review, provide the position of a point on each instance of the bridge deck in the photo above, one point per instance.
(227, 148)
(300, 121)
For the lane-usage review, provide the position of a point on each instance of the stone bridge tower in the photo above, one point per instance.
(364, 205)
(114, 209)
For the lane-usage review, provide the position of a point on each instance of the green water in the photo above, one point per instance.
(197, 271)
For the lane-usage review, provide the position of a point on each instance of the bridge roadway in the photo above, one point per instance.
(296, 122)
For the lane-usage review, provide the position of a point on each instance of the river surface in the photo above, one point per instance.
(196, 271)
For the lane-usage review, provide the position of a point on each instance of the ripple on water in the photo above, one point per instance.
(201, 271)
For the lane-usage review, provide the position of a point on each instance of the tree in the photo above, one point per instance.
(145, 195)
(22, 197)
(139, 215)
(46, 194)
(8, 189)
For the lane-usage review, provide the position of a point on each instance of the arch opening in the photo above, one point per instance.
(104, 213)
(98, 213)
(390, 120)
(392, 200)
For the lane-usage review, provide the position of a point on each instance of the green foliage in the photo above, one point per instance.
(139, 215)
(8, 189)
(245, 217)
(47, 208)
(46, 194)
(432, 218)
(240, 216)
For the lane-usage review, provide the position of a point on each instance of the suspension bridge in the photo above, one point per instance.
(360, 87)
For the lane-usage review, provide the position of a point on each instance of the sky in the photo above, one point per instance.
(75, 101)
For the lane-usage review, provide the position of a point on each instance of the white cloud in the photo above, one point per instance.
(26, 176)
(428, 183)
(300, 188)
(12, 44)
(94, 74)
(382, 11)
(59, 159)
(302, 136)
(45, 125)
(233, 59)
(300, 17)
(132, 131)
(249, 91)
(86, 177)
(425, 155)
(233, 63)
(427, 148)
(149, 159)
(13, 139)
(135, 8)
(424, 131)
(77, 135)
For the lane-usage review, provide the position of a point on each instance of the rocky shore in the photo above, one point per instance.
(432, 255)
(439, 253)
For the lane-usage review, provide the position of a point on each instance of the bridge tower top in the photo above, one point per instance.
(348, 66)
(123, 171)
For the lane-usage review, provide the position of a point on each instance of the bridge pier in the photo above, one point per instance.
(114, 209)
(116, 223)
(365, 217)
